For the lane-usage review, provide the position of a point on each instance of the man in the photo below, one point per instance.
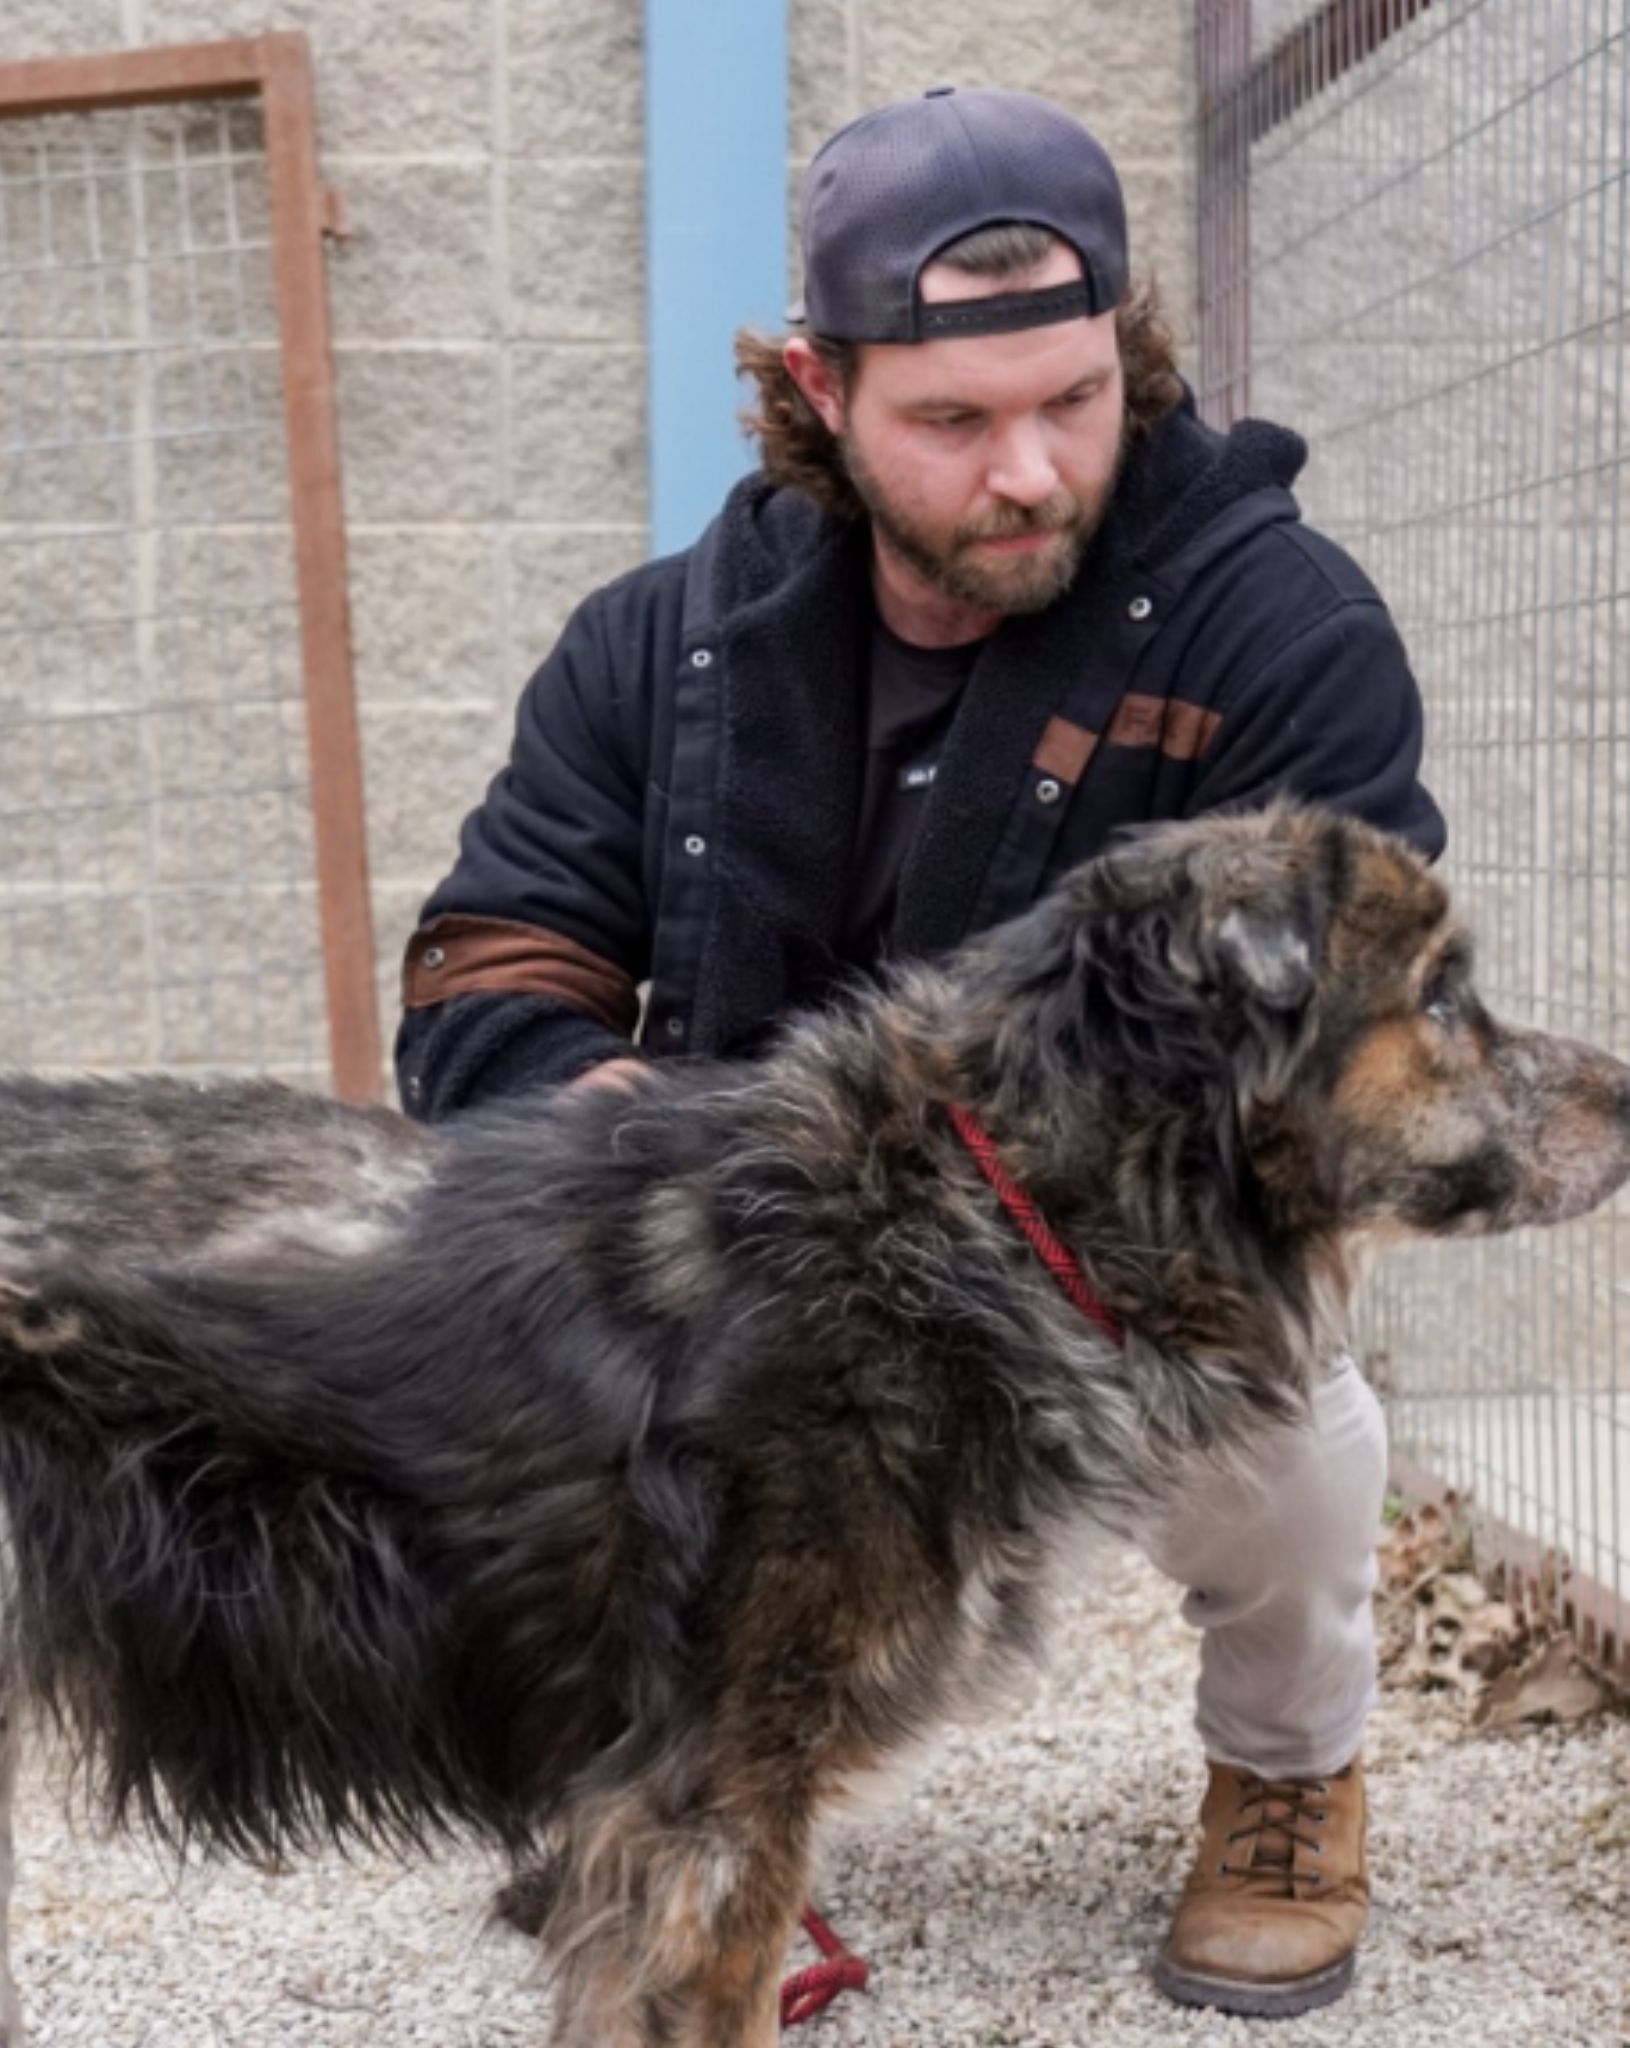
(996, 595)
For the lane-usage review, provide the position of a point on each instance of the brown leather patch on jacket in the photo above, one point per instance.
(458, 955)
(1065, 750)
(1181, 731)
(1188, 731)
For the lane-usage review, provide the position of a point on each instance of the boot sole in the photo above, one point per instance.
(1254, 2001)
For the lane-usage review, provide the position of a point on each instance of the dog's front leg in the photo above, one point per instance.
(689, 1954)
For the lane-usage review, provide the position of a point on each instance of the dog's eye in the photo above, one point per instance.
(1441, 1004)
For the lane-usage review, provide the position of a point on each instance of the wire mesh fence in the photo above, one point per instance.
(1417, 219)
(160, 905)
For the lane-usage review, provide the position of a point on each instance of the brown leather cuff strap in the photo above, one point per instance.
(458, 955)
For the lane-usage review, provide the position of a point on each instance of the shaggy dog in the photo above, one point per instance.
(620, 1476)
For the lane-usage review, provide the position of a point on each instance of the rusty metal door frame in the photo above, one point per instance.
(276, 70)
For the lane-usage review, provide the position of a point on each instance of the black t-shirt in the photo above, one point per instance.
(913, 694)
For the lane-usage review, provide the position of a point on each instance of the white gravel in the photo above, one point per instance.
(1014, 1895)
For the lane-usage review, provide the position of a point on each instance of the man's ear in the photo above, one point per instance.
(816, 380)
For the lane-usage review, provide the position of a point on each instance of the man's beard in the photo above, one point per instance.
(958, 569)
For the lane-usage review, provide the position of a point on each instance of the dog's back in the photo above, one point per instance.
(306, 1542)
(163, 1171)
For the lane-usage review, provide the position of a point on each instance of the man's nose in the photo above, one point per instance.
(1021, 469)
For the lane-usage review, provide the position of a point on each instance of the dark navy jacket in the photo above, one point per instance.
(680, 803)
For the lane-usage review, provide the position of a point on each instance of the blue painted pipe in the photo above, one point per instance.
(716, 239)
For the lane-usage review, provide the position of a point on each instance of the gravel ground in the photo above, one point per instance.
(1013, 1896)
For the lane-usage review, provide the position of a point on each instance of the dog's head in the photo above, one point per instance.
(1297, 982)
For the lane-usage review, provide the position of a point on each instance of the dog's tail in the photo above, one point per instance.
(274, 1597)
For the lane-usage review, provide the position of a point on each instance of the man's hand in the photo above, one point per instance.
(625, 1074)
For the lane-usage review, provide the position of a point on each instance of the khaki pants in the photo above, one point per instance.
(1279, 1563)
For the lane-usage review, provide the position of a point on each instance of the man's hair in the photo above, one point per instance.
(797, 448)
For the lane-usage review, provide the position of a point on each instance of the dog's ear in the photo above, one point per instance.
(1190, 954)
(1204, 942)
(1272, 953)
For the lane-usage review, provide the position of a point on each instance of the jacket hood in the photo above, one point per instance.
(1189, 483)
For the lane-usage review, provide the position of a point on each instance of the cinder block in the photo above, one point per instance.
(424, 615)
(253, 832)
(70, 460)
(821, 83)
(385, 83)
(73, 990)
(60, 302)
(224, 656)
(220, 300)
(550, 574)
(396, 906)
(579, 435)
(418, 433)
(576, 78)
(426, 770)
(1092, 59)
(238, 980)
(205, 570)
(62, 28)
(1148, 123)
(418, 263)
(219, 449)
(52, 583)
(72, 813)
(1160, 231)
(577, 251)
(67, 211)
(159, 245)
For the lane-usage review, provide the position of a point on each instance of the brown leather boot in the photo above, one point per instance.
(1274, 1906)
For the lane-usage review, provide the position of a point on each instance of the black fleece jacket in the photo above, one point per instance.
(680, 802)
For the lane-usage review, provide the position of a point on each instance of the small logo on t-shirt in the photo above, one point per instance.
(920, 777)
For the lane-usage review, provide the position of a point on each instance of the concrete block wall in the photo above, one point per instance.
(488, 309)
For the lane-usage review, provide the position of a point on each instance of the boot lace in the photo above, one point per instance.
(1277, 1816)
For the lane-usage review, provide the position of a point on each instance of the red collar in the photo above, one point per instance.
(1054, 1254)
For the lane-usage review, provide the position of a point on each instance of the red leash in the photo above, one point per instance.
(810, 1991)
(1054, 1254)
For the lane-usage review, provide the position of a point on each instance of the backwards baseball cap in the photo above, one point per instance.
(885, 194)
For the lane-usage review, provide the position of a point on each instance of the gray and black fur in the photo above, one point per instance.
(620, 1476)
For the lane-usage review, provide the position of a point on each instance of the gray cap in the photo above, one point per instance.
(884, 195)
